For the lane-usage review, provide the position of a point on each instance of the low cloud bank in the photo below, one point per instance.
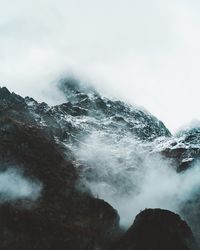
(126, 175)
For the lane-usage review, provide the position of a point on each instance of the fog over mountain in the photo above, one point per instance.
(132, 180)
(99, 125)
(91, 165)
(146, 52)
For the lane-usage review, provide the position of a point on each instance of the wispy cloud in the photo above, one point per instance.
(15, 186)
(144, 51)
(126, 175)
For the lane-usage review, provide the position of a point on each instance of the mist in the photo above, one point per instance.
(131, 177)
(15, 186)
(146, 52)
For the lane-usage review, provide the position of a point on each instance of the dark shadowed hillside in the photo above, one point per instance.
(43, 145)
(157, 229)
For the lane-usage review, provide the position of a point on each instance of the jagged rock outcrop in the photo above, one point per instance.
(64, 217)
(183, 148)
(39, 140)
(157, 229)
(85, 110)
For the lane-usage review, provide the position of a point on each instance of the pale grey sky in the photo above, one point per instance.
(145, 51)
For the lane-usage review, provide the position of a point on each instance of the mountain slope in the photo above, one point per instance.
(88, 148)
(63, 216)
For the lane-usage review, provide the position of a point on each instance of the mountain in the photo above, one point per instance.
(79, 154)
(63, 216)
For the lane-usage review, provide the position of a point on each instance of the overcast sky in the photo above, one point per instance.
(146, 51)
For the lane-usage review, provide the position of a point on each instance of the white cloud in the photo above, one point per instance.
(14, 186)
(125, 174)
(145, 51)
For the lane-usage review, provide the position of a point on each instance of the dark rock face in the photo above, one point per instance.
(121, 116)
(63, 217)
(184, 148)
(157, 229)
(35, 138)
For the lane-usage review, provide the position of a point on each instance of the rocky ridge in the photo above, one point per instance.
(39, 139)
